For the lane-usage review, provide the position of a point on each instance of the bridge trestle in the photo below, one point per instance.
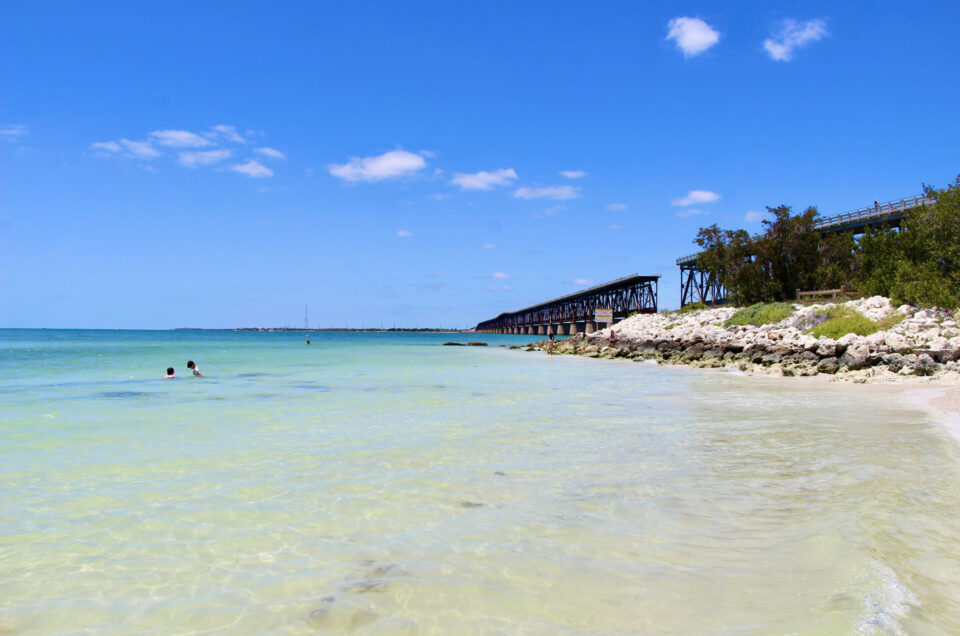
(575, 313)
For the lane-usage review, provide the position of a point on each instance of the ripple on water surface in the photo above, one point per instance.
(392, 485)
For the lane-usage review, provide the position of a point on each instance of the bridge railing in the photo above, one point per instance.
(854, 217)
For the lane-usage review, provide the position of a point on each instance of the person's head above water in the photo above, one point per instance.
(190, 364)
(169, 372)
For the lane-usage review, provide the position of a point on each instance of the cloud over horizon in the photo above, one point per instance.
(484, 180)
(692, 36)
(793, 35)
(12, 132)
(696, 196)
(389, 165)
(179, 139)
(558, 193)
(203, 158)
(253, 169)
(573, 174)
(177, 144)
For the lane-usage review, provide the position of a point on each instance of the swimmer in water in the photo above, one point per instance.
(193, 367)
(169, 373)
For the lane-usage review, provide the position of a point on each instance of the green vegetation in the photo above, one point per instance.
(918, 263)
(686, 309)
(888, 322)
(843, 320)
(761, 314)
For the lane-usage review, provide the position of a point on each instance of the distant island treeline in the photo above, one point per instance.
(305, 330)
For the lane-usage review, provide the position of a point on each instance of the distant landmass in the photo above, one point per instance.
(302, 330)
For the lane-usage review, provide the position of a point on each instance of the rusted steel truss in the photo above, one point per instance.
(624, 296)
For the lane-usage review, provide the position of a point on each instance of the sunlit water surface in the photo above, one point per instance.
(384, 484)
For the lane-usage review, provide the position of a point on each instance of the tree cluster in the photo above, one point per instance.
(917, 263)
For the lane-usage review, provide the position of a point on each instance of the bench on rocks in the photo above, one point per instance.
(832, 294)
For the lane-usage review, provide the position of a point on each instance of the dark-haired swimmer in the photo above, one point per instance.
(193, 367)
(169, 373)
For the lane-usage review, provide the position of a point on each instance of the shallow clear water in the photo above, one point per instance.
(383, 484)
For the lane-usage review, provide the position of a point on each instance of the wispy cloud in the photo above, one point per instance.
(616, 226)
(692, 36)
(500, 275)
(230, 132)
(548, 192)
(690, 212)
(793, 35)
(488, 246)
(12, 132)
(389, 165)
(500, 288)
(484, 180)
(617, 207)
(252, 169)
(179, 139)
(203, 157)
(404, 233)
(271, 152)
(573, 174)
(753, 216)
(696, 196)
(582, 281)
(140, 149)
(550, 211)
(177, 144)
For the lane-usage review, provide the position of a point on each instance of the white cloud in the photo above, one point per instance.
(792, 36)
(389, 165)
(500, 288)
(582, 281)
(270, 152)
(253, 169)
(573, 174)
(404, 233)
(12, 132)
(203, 158)
(690, 212)
(105, 148)
(140, 149)
(549, 192)
(692, 35)
(696, 196)
(500, 275)
(484, 180)
(617, 207)
(616, 226)
(179, 139)
(488, 246)
(230, 132)
(753, 216)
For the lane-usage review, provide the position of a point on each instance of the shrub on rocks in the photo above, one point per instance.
(843, 320)
(760, 314)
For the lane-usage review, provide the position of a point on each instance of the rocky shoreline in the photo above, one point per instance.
(925, 343)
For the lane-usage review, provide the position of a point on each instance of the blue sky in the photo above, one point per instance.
(434, 163)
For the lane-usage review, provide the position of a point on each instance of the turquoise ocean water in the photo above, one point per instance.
(384, 484)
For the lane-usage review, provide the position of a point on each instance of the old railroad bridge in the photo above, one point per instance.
(696, 286)
(576, 312)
